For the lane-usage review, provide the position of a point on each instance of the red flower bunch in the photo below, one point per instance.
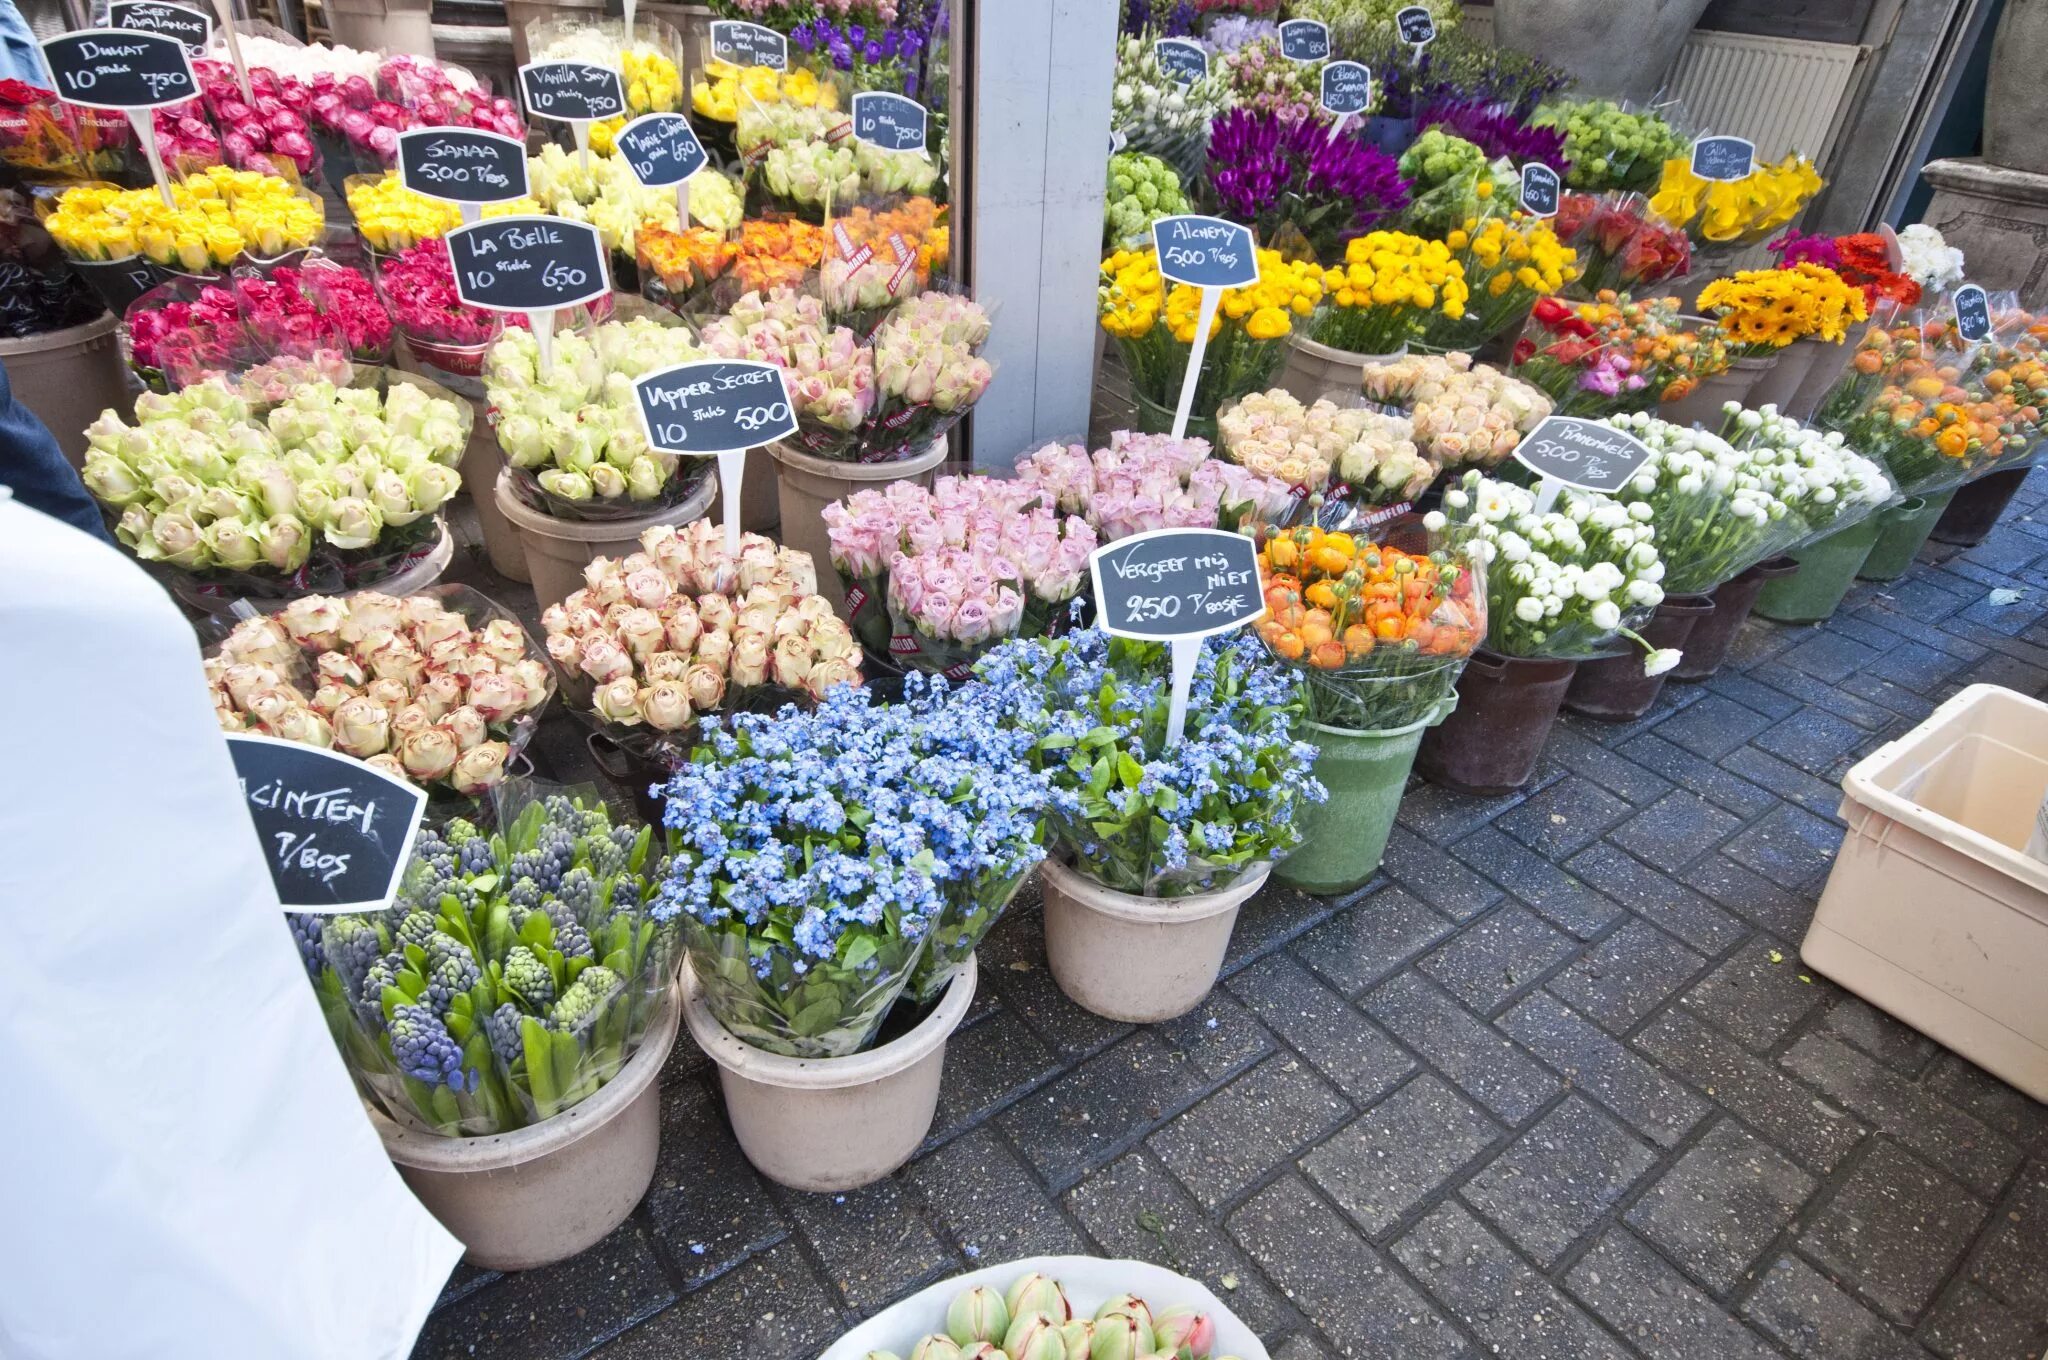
(1867, 264)
(181, 336)
(1620, 246)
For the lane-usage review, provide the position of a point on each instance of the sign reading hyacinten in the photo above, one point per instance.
(527, 264)
(1581, 453)
(188, 26)
(462, 165)
(106, 68)
(336, 832)
(571, 91)
(1177, 583)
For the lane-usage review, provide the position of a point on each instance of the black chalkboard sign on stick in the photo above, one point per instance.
(573, 92)
(1183, 59)
(717, 408)
(740, 43)
(1973, 313)
(1210, 254)
(1541, 190)
(336, 833)
(532, 265)
(1585, 454)
(1726, 159)
(188, 26)
(663, 149)
(107, 68)
(1305, 40)
(1177, 586)
(1418, 27)
(462, 165)
(888, 121)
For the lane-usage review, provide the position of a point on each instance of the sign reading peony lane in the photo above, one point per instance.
(717, 408)
(336, 833)
(462, 165)
(188, 26)
(1566, 451)
(1177, 586)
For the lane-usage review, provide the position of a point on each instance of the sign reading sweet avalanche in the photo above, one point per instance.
(188, 26)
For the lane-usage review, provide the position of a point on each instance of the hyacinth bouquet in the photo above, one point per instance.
(514, 975)
(827, 860)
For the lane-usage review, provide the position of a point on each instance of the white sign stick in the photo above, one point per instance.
(1211, 298)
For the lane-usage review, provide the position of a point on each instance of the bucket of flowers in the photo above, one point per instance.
(1142, 482)
(1764, 314)
(1465, 414)
(1390, 289)
(1326, 452)
(1618, 354)
(1301, 192)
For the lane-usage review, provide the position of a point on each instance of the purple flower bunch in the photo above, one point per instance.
(1272, 174)
(1796, 247)
(1498, 134)
(881, 57)
(1159, 18)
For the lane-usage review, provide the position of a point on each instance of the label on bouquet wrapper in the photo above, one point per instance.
(336, 833)
(107, 68)
(1206, 252)
(1973, 313)
(1723, 158)
(745, 44)
(715, 406)
(1417, 25)
(888, 121)
(661, 148)
(1540, 190)
(188, 26)
(1177, 583)
(1581, 453)
(1184, 59)
(462, 165)
(527, 264)
(1305, 40)
(571, 91)
(1347, 88)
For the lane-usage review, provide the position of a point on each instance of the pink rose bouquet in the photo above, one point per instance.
(419, 288)
(1143, 482)
(324, 313)
(266, 131)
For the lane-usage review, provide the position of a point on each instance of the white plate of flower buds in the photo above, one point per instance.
(1056, 1308)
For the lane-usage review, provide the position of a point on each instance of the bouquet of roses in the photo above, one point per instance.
(440, 688)
(1143, 482)
(182, 332)
(1618, 354)
(607, 195)
(1299, 191)
(1763, 310)
(879, 260)
(216, 218)
(647, 61)
(1390, 289)
(1610, 146)
(1733, 212)
(720, 91)
(513, 976)
(418, 286)
(1464, 414)
(359, 103)
(1370, 455)
(44, 139)
(1620, 246)
(391, 218)
(268, 131)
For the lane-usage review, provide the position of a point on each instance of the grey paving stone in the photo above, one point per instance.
(1561, 898)
(1658, 898)
(1220, 1037)
(1358, 947)
(1832, 656)
(1904, 1050)
(557, 1311)
(1618, 1077)
(1430, 874)
(1339, 1281)
(1756, 899)
(1225, 1145)
(1497, 956)
(770, 1308)
(1815, 1320)
(2011, 1262)
(1134, 1209)
(1390, 1159)
(1817, 742)
(1757, 698)
(1931, 1127)
(1627, 975)
(1013, 964)
(1302, 1347)
(1682, 767)
(1441, 816)
(1969, 1324)
(1558, 1179)
(1894, 1230)
(1713, 727)
(1635, 785)
(1817, 1132)
(1675, 830)
(1277, 915)
(1097, 1110)
(1823, 696)
(1474, 1056)
(1789, 846)
(988, 1065)
(1759, 640)
(988, 1204)
(708, 1207)
(1757, 995)
(1654, 1307)
(1909, 704)
(1912, 664)
(1323, 1027)
(1821, 797)
(873, 1242)
(1513, 1310)
(1721, 1204)
(1568, 816)
(1973, 1090)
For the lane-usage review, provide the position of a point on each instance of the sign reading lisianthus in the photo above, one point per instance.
(1159, 114)
(1143, 482)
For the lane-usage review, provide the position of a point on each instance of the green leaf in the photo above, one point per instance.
(817, 1017)
(1129, 772)
(1099, 780)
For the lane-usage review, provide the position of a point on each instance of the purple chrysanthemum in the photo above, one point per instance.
(1498, 134)
(1267, 172)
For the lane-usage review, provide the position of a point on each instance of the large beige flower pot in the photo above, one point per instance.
(1782, 384)
(831, 1123)
(68, 377)
(541, 1194)
(1704, 406)
(1315, 370)
(807, 484)
(1133, 958)
(557, 550)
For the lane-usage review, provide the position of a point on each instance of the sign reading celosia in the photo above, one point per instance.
(888, 121)
(111, 69)
(1581, 453)
(1305, 40)
(745, 44)
(462, 165)
(188, 26)
(336, 833)
(528, 264)
(1347, 88)
(571, 91)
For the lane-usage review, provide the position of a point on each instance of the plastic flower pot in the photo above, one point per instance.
(1156, 419)
(806, 484)
(1506, 705)
(557, 550)
(1615, 688)
(1703, 406)
(831, 1123)
(1365, 772)
(1141, 959)
(1972, 513)
(1901, 529)
(1314, 370)
(419, 570)
(541, 1194)
(1714, 633)
(68, 377)
(1827, 568)
(1786, 380)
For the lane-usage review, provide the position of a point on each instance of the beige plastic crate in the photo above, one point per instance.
(1934, 912)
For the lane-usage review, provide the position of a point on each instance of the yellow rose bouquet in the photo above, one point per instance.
(1509, 265)
(1733, 212)
(1761, 311)
(1391, 289)
(1154, 327)
(392, 219)
(216, 217)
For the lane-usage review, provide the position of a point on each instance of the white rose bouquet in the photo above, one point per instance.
(1160, 116)
(1372, 454)
(1464, 414)
(1928, 259)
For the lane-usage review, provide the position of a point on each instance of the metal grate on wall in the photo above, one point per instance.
(1781, 93)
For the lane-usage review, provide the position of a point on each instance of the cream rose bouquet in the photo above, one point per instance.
(1464, 414)
(1365, 454)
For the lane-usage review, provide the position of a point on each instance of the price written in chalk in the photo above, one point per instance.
(715, 406)
(111, 69)
(1305, 40)
(336, 833)
(1417, 25)
(1581, 453)
(1183, 59)
(745, 44)
(661, 149)
(1177, 583)
(1540, 190)
(1973, 313)
(1206, 252)
(188, 26)
(527, 264)
(1347, 88)
(571, 91)
(1723, 158)
(462, 165)
(888, 121)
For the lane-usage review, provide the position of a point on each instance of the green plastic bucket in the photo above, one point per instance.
(1904, 528)
(1826, 571)
(1365, 773)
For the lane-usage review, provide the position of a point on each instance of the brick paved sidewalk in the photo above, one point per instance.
(1554, 1085)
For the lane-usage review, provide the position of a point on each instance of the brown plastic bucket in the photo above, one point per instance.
(1490, 742)
(1977, 506)
(1615, 688)
(1714, 634)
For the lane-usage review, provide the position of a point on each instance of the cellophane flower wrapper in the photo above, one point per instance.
(219, 217)
(516, 973)
(268, 130)
(443, 688)
(1453, 181)
(1339, 449)
(1616, 354)
(418, 288)
(1142, 482)
(876, 258)
(264, 331)
(1613, 145)
(1730, 213)
(39, 293)
(1621, 247)
(1160, 116)
(1464, 414)
(44, 140)
(805, 922)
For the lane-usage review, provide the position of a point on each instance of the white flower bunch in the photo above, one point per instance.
(1929, 260)
(1825, 484)
(608, 197)
(1159, 115)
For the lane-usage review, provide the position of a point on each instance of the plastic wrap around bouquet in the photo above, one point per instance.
(1328, 454)
(1142, 482)
(44, 140)
(649, 61)
(1464, 414)
(515, 974)
(803, 160)
(1620, 245)
(1618, 354)
(443, 688)
(321, 317)
(443, 332)
(329, 489)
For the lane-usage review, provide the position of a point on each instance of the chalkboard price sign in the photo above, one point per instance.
(571, 91)
(1177, 583)
(1184, 59)
(715, 406)
(1540, 190)
(745, 44)
(106, 68)
(462, 165)
(1417, 25)
(1973, 313)
(661, 148)
(336, 833)
(527, 264)
(1581, 453)
(188, 26)
(1305, 40)
(888, 121)
(1347, 88)
(1206, 252)
(1723, 158)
